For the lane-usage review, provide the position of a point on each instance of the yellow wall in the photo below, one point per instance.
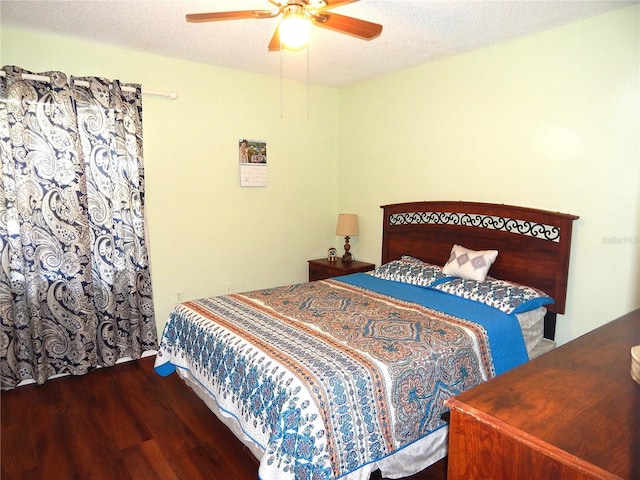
(205, 230)
(550, 121)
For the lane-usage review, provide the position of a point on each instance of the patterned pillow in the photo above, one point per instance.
(410, 270)
(510, 297)
(469, 264)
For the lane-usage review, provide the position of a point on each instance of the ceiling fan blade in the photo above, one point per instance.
(334, 4)
(349, 25)
(274, 44)
(235, 15)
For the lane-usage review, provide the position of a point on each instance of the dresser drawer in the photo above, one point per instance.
(317, 272)
(322, 269)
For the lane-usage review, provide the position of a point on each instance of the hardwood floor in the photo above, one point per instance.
(123, 422)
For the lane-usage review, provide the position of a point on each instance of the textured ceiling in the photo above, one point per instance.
(414, 32)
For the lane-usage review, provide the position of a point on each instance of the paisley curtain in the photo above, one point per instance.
(75, 285)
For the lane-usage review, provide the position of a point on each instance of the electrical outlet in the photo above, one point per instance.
(179, 296)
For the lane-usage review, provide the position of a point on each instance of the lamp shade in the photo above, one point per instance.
(347, 224)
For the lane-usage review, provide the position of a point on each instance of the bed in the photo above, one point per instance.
(340, 377)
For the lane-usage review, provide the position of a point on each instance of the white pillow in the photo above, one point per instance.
(469, 264)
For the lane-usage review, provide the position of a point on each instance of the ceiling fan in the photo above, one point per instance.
(297, 17)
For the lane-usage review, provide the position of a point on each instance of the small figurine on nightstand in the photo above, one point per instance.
(332, 255)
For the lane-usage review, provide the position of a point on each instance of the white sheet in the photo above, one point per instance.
(532, 325)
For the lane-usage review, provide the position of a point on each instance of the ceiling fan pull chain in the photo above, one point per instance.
(308, 94)
(281, 89)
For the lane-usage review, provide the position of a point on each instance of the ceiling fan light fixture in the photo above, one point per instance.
(298, 16)
(295, 28)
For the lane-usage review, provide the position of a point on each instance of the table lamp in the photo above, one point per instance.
(347, 226)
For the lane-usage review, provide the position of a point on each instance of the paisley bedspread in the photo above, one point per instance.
(328, 376)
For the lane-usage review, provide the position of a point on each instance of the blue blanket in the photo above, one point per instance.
(505, 336)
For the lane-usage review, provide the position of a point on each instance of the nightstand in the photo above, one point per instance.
(322, 268)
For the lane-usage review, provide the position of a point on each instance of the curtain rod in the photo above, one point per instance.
(82, 83)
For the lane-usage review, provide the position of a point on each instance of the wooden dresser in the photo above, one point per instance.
(573, 413)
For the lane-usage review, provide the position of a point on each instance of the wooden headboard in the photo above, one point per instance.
(533, 245)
